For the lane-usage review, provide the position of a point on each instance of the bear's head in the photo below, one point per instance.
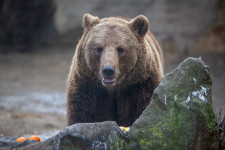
(112, 46)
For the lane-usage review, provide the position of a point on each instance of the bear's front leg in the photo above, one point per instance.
(79, 108)
(132, 101)
(90, 105)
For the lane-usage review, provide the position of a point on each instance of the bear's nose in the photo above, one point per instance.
(108, 70)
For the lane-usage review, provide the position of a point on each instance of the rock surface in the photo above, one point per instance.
(10, 142)
(25, 23)
(168, 19)
(165, 16)
(91, 136)
(87, 136)
(179, 116)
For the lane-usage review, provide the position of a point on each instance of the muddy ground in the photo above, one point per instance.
(32, 88)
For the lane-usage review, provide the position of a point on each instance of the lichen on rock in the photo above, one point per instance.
(180, 114)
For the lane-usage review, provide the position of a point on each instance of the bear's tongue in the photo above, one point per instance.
(109, 80)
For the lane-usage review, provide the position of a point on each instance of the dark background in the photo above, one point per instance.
(38, 39)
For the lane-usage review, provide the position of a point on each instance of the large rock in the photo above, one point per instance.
(91, 136)
(179, 116)
(87, 136)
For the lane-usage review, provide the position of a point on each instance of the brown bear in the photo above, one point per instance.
(117, 65)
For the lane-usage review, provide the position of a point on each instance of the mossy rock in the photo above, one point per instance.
(180, 114)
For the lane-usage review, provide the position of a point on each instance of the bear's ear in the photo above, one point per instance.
(89, 21)
(139, 25)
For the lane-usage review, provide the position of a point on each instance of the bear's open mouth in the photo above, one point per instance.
(108, 81)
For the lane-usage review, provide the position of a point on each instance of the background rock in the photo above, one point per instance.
(180, 22)
(24, 24)
(177, 20)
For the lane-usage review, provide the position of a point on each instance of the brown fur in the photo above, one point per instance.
(138, 70)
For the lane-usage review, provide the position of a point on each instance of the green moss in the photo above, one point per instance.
(71, 143)
(120, 144)
(172, 132)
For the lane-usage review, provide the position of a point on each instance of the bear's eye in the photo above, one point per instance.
(99, 50)
(120, 50)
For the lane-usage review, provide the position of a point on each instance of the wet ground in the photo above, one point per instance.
(32, 92)
(32, 89)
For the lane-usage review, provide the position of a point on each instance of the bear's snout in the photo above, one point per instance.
(108, 73)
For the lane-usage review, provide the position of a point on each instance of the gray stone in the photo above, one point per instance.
(91, 136)
(87, 136)
(180, 114)
(10, 142)
(182, 21)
